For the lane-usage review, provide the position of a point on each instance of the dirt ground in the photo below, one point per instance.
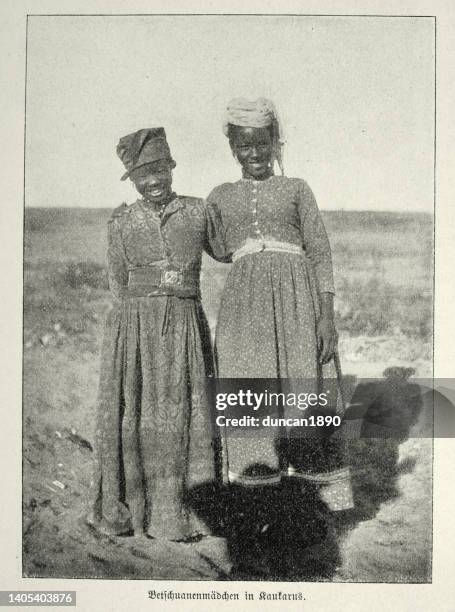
(386, 538)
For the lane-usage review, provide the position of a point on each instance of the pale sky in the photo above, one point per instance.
(355, 96)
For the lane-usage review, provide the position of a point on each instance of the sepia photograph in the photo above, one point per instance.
(222, 210)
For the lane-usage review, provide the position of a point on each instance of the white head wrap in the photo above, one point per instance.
(257, 114)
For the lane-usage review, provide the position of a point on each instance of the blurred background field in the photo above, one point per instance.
(383, 266)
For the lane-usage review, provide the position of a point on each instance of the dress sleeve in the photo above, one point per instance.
(215, 242)
(116, 261)
(315, 241)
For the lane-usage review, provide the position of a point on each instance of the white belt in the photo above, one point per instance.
(259, 246)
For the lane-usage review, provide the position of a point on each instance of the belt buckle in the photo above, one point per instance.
(171, 277)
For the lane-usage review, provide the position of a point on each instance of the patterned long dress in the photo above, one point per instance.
(154, 437)
(268, 315)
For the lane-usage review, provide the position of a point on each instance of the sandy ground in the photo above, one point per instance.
(384, 306)
(387, 538)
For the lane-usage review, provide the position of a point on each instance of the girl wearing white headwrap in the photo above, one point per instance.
(276, 314)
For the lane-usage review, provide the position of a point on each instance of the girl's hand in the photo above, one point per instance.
(327, 338)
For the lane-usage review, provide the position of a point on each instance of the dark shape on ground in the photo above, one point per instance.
(286, 532)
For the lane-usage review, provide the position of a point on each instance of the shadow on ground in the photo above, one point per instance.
(286, 533)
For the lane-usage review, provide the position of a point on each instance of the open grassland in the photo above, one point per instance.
(383, 272)
(383, 266)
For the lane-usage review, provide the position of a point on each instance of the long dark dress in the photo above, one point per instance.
(154, 437)
(267, 321)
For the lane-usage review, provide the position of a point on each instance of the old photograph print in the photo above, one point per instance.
(327, 158)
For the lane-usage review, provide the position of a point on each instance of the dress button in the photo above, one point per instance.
(256, 222)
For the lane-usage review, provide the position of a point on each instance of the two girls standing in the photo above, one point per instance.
(155, 438)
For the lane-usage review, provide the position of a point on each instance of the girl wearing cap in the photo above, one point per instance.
(154, 436)
(276, 319)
